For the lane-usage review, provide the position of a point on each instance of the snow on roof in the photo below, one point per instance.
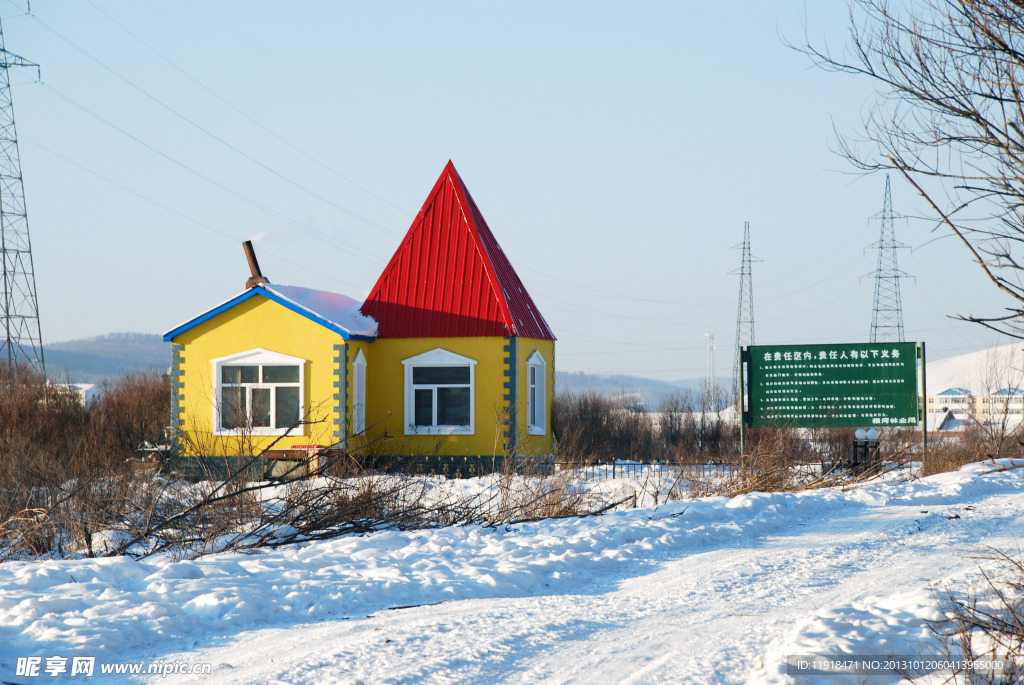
(340, 310)
(942, 421)
(334, 311)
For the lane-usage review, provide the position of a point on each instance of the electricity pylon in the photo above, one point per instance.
(22, 341)
(887, 314)
(744, 311)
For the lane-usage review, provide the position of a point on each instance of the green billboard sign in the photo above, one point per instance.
(846, 385)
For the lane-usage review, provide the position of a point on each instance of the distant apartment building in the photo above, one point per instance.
(965, 405)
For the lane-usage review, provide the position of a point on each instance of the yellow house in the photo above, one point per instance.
(448, 357)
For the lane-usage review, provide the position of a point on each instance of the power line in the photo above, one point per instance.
(208, 179)
(178, 213)
(215, 137)
(245, 114)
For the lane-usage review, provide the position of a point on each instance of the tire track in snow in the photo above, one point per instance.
(695, 608)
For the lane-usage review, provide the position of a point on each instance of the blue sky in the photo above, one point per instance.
(615, 149)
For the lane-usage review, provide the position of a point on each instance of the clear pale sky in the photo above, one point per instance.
(615, 149)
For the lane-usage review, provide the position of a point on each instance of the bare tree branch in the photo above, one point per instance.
(949, 117)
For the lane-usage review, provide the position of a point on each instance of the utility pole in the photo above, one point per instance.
(22, 341)
(709, 390)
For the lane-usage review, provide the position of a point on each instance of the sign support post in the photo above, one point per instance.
(924, 407)
(739, 402)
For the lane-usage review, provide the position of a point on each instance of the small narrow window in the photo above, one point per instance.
(359, 394)
(533, 395)
(536, 394)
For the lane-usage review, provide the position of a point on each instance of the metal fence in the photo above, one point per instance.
(621, 469)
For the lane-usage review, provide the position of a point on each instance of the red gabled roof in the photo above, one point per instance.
(450, 278)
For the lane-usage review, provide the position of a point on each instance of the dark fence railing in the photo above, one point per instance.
(618, 469)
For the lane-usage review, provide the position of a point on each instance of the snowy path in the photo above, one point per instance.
(715, 590)
(719, 592)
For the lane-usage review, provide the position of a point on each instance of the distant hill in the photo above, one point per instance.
(90, 360)
(981, 372)
(648, 391)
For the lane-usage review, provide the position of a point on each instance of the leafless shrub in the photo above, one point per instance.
(591, 429)
(68, 492)
(41, 428)
(213, 517)
(583, 426)
(770, 465)
(526, 492)
(949, 455)
(128, 410)
(62, 464)
(700, 460)
(983, 628)
(781, 459)
(976, 442)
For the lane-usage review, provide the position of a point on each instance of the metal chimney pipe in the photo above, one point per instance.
(257, 276)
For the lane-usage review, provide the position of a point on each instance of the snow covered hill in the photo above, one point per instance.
(707, 591)
(981, 372)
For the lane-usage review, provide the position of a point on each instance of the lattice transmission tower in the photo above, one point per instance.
(887, 315)
(22, 342)
(745, 309)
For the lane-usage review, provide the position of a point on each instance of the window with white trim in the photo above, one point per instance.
(359, 394)
(536, 394)
(439, 393)
(258, 392)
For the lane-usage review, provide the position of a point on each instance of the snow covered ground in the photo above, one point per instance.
(706, 591)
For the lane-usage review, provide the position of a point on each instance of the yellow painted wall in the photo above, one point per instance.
(385, 382)
(256, 323)
(261, 323)
(535, 445)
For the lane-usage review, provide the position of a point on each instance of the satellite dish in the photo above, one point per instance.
(860, 434)
(873, 434)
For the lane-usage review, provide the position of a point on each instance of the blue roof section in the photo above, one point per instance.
(1009, 391)
(950, 422)
(956, 391)
(283, 295)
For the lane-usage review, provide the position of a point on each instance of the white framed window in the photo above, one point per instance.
(258, 392)
(439, 393)
(536, 394)
(359, 394)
